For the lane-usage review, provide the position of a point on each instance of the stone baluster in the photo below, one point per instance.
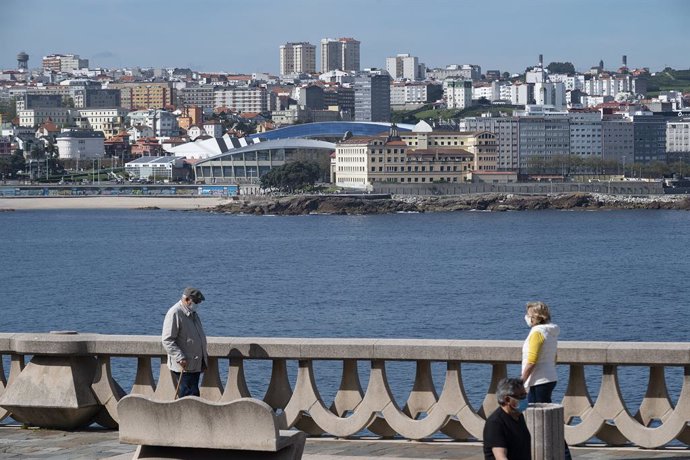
(499, 371)
(144, 383)
(108, 392)
(279, 390)
(3, 384)
(211, 387)
(167, 384)
(464, 421)
(236, 386)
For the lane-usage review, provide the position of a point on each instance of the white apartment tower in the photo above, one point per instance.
(297, 58)
(405, 67)
(457, 93)
(341, 54)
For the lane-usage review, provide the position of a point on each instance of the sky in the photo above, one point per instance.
(245, 36)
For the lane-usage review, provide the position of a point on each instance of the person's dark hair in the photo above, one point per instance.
(508, 387)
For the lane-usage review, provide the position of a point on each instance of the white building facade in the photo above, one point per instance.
(163, 123)
(405, 67)
(457, 93)
(108, 121)
(250, 99)
(678, 137)
(80, 145)
(34, 117)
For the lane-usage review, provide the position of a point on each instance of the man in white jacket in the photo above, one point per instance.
(184, 341)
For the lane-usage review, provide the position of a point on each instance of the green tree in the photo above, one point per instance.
(561, 67)
(9, 165)
(292, 176)
(8, 109)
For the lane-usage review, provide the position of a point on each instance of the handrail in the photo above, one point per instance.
(80, 365)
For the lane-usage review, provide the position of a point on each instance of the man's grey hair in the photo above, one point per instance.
(508, 387)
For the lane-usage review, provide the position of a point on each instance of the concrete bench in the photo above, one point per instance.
(193, 428)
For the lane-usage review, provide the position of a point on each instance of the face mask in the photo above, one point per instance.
(193, 307)
(528, 320)
(522, 405)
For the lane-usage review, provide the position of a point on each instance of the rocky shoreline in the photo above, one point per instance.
(353, 205)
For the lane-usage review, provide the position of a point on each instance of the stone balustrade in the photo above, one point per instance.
(68, 382)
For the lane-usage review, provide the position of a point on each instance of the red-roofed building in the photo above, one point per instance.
(148, 146)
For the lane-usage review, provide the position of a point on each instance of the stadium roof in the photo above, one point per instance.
(330, 129)
(276, 144)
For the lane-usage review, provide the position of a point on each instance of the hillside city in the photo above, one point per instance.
(400, 123)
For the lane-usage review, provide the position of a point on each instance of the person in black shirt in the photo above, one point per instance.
(506, 436)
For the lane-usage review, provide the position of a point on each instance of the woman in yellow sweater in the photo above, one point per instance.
(539, 353)
(539, 356)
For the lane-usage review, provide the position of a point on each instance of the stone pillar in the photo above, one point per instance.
(545, 424)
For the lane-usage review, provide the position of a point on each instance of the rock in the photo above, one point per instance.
(365, 204)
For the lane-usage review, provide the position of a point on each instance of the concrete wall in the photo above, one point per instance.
(441, 188)
(68, 383)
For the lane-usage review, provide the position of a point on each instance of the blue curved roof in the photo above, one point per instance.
(273, 144)
(330, 129)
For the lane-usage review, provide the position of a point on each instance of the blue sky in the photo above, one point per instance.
(244, 36)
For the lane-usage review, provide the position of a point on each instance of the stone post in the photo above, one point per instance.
(545, 424)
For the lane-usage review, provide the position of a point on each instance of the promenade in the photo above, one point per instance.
(19, 443)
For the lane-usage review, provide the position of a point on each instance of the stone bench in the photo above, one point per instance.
(194, 428)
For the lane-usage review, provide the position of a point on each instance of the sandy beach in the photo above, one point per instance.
(110, 202)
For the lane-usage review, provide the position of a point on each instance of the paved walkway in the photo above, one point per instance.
(16, 442)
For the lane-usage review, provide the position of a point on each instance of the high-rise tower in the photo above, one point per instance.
(341, 54)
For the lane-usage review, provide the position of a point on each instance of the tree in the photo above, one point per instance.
(561, 67)
(9, 165)
(8, 109)
(291, 176)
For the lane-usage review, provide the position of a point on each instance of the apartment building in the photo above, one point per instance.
(678, 140)
(61, 116)
(341, 96)
(144, 96)
(405, 67)
(64, 63)
(107, 121)
(199, 96)
(457, 71)
(372, 97)
(505, 130)
(415, 93)
(296, 58)
(239, 99)
(586, 133)
(617, 134)
(163, 123)
(457, 93)
(542, 137)
(39, 100)
(649, 133)
(341, 54)
(96, 98)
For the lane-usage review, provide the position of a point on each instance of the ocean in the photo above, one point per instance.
(607, 275)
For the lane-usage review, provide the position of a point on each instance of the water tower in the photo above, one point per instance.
(22, 61)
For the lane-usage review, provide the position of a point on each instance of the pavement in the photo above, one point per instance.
(35, 443)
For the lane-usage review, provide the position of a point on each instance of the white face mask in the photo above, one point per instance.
(528, 320)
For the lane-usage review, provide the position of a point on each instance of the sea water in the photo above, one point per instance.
(607, 275)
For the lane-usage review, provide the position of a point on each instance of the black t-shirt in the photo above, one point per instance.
(502, 430)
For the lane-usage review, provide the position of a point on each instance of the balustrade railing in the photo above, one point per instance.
(68, 382)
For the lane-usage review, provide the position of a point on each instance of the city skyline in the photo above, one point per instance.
(210, 36)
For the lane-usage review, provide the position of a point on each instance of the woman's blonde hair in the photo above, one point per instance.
(539, 311)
